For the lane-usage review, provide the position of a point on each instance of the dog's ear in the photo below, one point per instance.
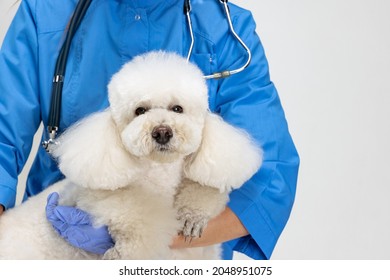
(90, 154)
(227, 157)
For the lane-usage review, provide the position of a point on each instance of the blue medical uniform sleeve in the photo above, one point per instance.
(19, 102)
(250, 100)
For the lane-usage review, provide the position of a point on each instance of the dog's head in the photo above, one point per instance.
(158, 111)
(159, 103)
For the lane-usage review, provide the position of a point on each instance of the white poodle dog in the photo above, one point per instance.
(156, 163)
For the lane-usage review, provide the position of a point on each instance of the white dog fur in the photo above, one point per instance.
(144, 188)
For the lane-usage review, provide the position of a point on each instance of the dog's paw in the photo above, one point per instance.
(193, 223)
(112, 254)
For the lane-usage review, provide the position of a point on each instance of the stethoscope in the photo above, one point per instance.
(60, 67)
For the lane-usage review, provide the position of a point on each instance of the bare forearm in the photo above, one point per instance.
(1, 209)
(224, 227)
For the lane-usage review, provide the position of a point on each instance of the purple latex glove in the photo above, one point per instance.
(75, 226)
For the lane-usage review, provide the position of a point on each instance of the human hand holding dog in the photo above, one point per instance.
(226, 226)
(75, 226)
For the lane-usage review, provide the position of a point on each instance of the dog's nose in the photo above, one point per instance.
(162, 134)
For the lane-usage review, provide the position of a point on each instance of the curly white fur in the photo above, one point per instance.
(154, 164)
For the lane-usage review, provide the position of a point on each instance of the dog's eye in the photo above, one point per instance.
(177, 109)
(140, 111)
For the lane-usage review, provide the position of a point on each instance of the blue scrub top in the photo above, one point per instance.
(113, 32)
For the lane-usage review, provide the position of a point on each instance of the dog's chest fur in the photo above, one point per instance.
(145, 206)
(161, 178)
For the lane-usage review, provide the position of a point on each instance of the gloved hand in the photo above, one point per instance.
(75, 226)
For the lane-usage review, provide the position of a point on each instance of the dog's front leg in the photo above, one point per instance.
(196, 205)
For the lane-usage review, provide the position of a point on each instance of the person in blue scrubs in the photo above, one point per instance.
(112, 33)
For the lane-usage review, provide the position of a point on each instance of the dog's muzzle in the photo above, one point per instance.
(162, 134)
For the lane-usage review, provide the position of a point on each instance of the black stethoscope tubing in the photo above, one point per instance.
(59, 72)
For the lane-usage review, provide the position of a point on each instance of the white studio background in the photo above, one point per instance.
(330, 60)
